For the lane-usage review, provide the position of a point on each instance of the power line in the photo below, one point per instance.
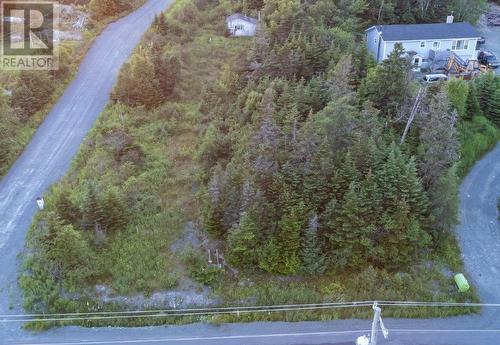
(332, 304)
(437, 304)
(238, 312)
(266, 307)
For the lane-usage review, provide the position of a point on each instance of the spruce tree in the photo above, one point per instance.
(344, 176)
(472, 104)
(489, 96)
(242, 242)
(65, 207)
(313, 260)
(114, 210)
(350, 237)
(388, 85)
(403, 239)
(92, 212)
(289, 229)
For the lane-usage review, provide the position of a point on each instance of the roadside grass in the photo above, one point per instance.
(477, 137)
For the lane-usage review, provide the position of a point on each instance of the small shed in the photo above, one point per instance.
(462, 283)
(241, 25)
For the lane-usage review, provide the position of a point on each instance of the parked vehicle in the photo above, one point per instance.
(434, 78)
(488, 59)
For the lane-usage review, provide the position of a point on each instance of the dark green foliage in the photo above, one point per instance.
(489, 96)
(31, 92)
(387, 86)
(137, 84)
(349, 235)
(313, 259)
(414, 11)
(151, 75)
(9, 124)
(114, 210)
(66, 209)
(91, 209)
(472, 104)
(477, 137)
(438, 138)
(241, 242)
(362, 62)
(457, 92)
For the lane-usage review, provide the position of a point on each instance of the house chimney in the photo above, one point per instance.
(258, 16)
(449, 19)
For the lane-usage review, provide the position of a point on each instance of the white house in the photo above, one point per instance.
(241, 25)
(424, 40)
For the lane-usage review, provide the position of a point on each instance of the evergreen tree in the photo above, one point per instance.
(438, 139)
(289, 229)
(472, 104)
(92, 213)
(313, 260)
(387, 85)
(65, 207)
(269, 256)
(167, 70)
(137, 84)
(338, 81)
(457, 91)
(31, 92)
(114, 210)
(362, 62)
(350, 235)
(9, 124)
(242, 242)
(70, 254)
(344, 177)
(489, 96)
(403, 239)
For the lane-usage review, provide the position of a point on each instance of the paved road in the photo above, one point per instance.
(49, 154)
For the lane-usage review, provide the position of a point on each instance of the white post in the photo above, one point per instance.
(217, 254)
(40, 203)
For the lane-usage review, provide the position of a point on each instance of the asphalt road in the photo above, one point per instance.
(49, 155)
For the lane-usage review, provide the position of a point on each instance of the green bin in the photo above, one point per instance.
(462, 283)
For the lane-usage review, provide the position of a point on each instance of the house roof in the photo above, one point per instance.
(408, 32)
(242, 17)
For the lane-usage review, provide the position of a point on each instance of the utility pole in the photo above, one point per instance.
(377, 319)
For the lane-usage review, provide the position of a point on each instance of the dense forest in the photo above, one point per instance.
(289, 150)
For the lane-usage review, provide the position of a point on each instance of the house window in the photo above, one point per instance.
(436, 45)
(422, 44)
(460, 45)
(238, 27)
(416, 61)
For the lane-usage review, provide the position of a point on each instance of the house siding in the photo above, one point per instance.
(246, 28)
(469, 53)
(372, 40)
